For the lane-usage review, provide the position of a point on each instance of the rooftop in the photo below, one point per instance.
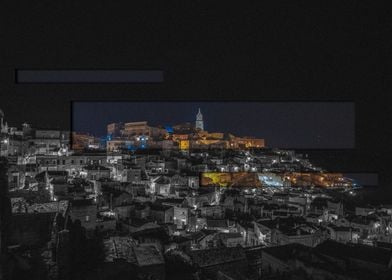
(147, 255)
(216, 223)
(355, 251)
(119, 248)
(82, 202)
(160, 207)
(285, 252)
(215, 256)
(19, 205)
(229, 235)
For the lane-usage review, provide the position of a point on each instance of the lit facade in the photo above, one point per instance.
(184, 144)
(199, 121)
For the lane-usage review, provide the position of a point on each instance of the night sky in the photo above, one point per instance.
(312, 125)
(275, 51)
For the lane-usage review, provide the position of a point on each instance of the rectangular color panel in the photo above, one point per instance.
(293, 179)
(230, 179)
(88, 76)
(225, 125)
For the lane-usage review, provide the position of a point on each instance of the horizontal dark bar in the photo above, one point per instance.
(88, 76)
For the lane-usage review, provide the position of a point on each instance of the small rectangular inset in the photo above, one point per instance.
(287, 179)
(326, 179)
(230, 179)
(190, 126)
(88, 76)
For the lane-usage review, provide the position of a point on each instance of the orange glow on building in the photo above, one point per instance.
(318, 179)
(184, 144)
(230, 179)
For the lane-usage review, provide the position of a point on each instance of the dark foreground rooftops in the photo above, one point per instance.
(364, 253)
(215, 256)
(81, 202)
(286, 252)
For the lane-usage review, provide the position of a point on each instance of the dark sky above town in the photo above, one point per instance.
(266, 50)
(313, 125)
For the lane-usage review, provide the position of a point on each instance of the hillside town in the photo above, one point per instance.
(179, 202)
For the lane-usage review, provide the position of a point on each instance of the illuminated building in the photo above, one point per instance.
(178, 137)
(209, 142)
(114, 129)
(136, 128)
(142, 129)
(210, 135)
(271, 179)
(33, 141)
(325, 180)
(181, 216)
(184, 128)
(141, 141)
(169, 129)
(81, 141)
(115, 145)
(95, 172)
(48, 141)
(184, 144)
(199, 121)
(246, 142)
(230, 179)
(166, 144)
(197, 137)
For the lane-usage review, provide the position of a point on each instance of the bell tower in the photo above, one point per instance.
(199, 121)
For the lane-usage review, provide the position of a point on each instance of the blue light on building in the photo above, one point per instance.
(131, 147)
(103, 141)
(270, 181)
(143, 142)
(169, 129)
